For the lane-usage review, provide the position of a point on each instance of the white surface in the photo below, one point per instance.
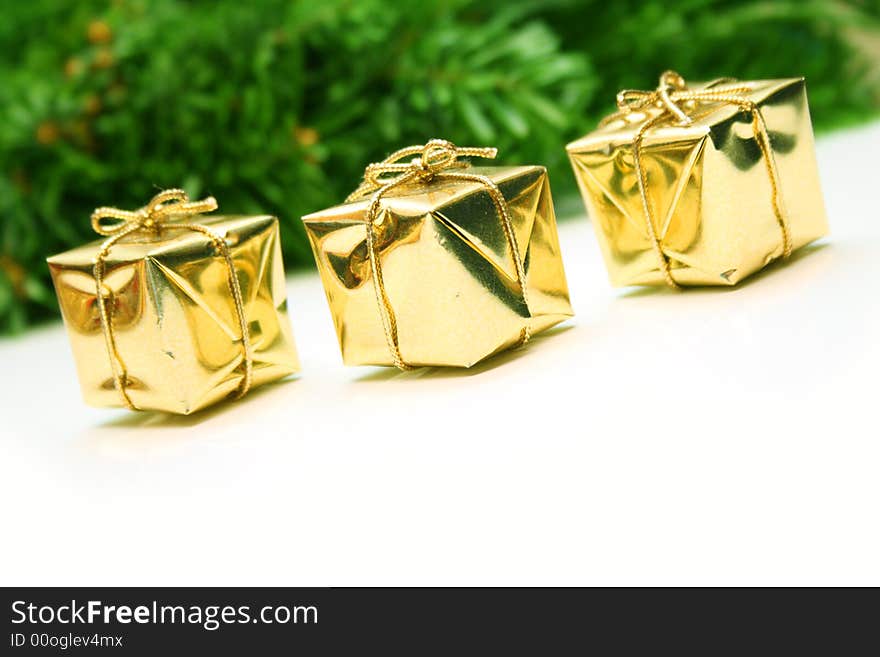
(707, 437)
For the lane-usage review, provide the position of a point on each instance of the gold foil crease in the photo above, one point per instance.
(708, 187)
(173, 320)
(447, 267)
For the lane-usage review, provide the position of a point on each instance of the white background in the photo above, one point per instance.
(705, 437)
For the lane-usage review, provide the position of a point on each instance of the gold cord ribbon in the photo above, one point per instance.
(676, 102)
(433, 161)
(166, 209)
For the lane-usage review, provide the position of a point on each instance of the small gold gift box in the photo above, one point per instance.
(701, 184)
(432, 262)
(172, 315)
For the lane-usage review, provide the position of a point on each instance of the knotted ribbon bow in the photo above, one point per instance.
(164, 206)
(677, 104)
(437, 159)
(169, 208)
(673, 90)
(425, 163)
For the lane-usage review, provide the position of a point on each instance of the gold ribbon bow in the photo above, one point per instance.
(167, 209)
(677, 102)
(438, 159)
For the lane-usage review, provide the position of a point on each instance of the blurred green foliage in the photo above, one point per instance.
(276, 106)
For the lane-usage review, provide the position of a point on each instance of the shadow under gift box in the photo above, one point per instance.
(708, 187)
(173, 319)
(447, 266)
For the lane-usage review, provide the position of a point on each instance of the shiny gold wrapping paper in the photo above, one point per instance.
(447, 268)
(708, 186)
(172, 316)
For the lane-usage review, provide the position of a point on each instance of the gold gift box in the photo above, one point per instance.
(174, 323)
(709, 189)
(447, 267)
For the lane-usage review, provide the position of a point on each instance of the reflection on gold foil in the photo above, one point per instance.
(447, 268)
(708, 188)
(173, 319)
